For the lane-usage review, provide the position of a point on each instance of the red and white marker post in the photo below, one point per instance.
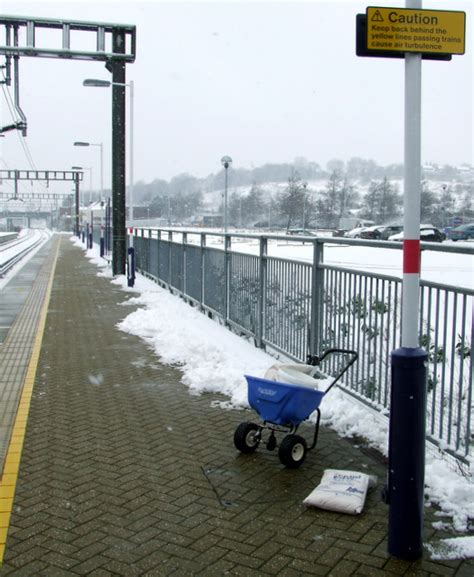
(409, 376)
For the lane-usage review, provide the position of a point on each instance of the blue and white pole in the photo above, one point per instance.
(131, 261)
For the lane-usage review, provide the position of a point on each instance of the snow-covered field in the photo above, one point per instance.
(442, 267)
(213, 359)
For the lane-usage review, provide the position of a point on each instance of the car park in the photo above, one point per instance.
(462, 232)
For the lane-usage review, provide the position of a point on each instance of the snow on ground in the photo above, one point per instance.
(457, 548)
(440, 267)
(211, 358)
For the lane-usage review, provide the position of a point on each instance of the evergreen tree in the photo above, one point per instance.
(253, 206)
(389, 202)
(382, 202)
(371, 201)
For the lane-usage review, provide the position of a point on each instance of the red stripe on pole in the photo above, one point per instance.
(411, 256)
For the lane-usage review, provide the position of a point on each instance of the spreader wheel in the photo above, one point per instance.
(292, 451)
(247, 437)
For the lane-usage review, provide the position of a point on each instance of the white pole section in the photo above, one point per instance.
(101, 170)
(132, 88)
(412, 196)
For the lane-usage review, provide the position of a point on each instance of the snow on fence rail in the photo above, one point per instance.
(300, 308)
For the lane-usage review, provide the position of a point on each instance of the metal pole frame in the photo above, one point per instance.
(119, 232)
(76, 182)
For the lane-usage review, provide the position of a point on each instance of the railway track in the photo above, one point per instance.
(13, 252)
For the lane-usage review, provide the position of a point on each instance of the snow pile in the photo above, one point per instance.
(213, 359)
(210, 357)
(453, 493)
(457, 548)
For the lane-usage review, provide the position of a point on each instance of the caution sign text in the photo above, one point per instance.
(409, 30)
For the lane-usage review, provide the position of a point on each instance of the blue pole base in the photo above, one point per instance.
(406, 453)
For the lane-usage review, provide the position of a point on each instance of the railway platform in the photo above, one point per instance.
(111, 468)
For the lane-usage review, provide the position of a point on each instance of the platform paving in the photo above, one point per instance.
(125, 473)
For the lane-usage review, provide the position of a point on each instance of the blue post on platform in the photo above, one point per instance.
(406, 453)
(131, 266)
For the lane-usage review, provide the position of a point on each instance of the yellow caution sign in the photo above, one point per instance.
(411, 30)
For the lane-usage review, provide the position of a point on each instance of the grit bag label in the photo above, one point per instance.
(408, 30)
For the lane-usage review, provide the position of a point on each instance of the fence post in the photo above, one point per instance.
(317, 285)
(185, 240)
(203, 271)
(170, 240)
(102, 241)
(227, 241)
(262, 265)
(146, 247)
(158, 250)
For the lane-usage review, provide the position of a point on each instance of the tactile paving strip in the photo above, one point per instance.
(15, 351)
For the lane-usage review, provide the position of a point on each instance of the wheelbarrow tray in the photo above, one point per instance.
(282, 403)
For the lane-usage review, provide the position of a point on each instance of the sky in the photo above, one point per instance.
(259, 81)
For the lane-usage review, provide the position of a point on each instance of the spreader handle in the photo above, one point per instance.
(315, 360)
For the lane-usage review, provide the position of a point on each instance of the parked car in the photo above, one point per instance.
(427, 234)
(355, 232)
(300, 232)
(372, 232)
(391, 229)
(462, 232)
(376, 232)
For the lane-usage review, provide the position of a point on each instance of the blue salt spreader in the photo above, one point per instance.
(283, 407)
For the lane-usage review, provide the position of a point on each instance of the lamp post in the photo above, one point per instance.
(305, 184)
(96, 83)
(226, 161)
(100, 145)
(76, 189)
(89, 168)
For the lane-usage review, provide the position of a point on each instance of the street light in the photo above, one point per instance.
(89, 168)
(100, 145)
(97, 83)
(226, 161)
(305, 184)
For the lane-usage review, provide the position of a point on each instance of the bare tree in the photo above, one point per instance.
(291, 201)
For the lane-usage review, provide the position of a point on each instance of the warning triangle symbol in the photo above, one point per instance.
(377, 17)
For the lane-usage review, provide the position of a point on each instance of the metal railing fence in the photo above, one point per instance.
(298, 308)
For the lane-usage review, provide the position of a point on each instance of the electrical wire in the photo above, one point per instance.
(24, 144)
(11, 108)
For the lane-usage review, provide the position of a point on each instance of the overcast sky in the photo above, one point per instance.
(259, 81)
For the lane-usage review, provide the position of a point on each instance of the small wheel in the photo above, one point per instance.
(272, 442)
(247, 437)
(292, 451)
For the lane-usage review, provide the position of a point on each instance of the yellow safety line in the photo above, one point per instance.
(12, 459)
